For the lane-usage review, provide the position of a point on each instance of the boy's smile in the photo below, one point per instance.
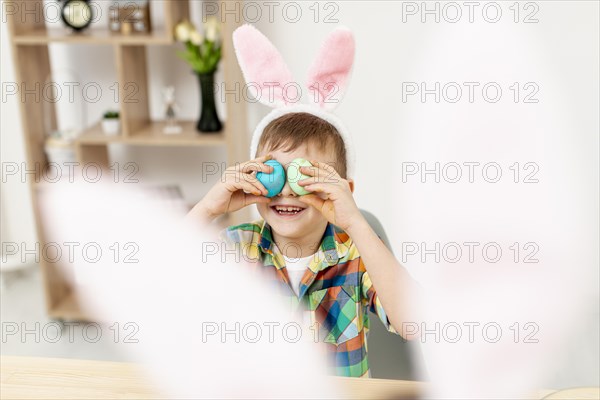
(287, 210)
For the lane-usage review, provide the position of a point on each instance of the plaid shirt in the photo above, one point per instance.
(335, 291)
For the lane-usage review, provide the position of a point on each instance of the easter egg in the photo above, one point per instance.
(274, 181)
(294, 175)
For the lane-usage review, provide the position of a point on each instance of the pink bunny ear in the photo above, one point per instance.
(263, 67)
(329, 75)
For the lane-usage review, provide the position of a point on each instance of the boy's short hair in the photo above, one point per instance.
(292, 130)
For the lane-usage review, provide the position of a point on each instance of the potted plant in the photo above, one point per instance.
(111, 125)
(203, 53)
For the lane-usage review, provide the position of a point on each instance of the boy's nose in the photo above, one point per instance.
(287, 191)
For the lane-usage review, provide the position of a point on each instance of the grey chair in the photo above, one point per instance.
(390, 357)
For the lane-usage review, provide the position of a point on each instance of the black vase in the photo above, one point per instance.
(209, 120)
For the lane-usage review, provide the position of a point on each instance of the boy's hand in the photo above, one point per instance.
(337, 205)
(237, 189)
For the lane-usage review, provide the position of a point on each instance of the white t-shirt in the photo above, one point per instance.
(296, 268)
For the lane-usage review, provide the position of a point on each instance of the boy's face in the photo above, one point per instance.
(294, 225)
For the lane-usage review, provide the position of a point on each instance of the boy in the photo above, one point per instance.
(318, 246)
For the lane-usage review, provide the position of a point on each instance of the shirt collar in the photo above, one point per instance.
(332, 246)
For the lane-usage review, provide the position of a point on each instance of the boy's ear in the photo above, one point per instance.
(351, 183)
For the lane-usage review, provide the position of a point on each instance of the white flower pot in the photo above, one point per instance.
(61, 155)
(111, 126)
(59, 151)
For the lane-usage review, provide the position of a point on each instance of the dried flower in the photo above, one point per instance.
(202, 52)
(212, 28)
(196, 38)
(183, 31)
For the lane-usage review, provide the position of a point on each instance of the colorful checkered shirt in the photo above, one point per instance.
(335, 290)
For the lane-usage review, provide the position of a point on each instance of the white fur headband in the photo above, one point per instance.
(265, 71)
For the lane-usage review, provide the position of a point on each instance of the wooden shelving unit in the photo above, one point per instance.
(30, 39)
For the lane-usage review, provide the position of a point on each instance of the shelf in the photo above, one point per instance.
(90, 36)
(152, 135)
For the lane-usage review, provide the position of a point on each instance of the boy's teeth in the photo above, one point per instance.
(278, 208)
(285, 209)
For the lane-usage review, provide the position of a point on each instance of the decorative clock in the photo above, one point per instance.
(77, 14)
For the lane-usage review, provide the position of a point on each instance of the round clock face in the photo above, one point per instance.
(77, 14)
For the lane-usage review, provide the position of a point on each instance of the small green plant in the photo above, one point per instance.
(202, 52)
(111, 115)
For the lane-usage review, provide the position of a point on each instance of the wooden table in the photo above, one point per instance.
(56, 378)
(59, 378)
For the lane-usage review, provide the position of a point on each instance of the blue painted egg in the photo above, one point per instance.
(274, 181)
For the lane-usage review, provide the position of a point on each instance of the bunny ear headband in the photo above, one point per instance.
(266, 72)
